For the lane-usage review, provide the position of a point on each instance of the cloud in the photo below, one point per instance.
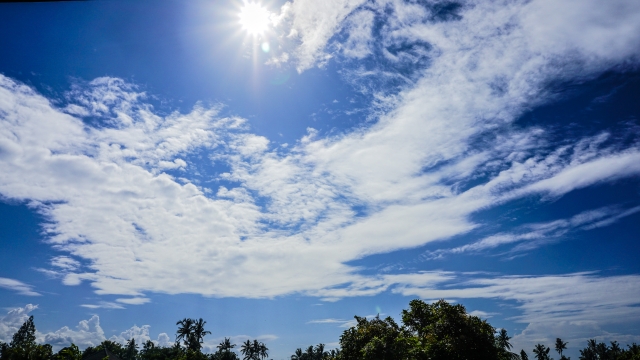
(482, 314)
(11, 322)
(576, 334)
(17, 286)
(439, 151)
(314, 23)
(65, 263)
(90, 333)
(87, 333)
(532, 236)
(549, 299)
(414, 175)
(340, 322)
(103, 305)
(134, 301)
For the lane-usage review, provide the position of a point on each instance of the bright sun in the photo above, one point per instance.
(254, 18)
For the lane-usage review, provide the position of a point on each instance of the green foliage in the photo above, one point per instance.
(71, 352)
(23, 345)
(25, 336)
(378, 339)
(446, 332)
(131, 350)
(438, 331)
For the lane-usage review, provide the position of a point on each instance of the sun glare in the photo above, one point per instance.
(254, 18)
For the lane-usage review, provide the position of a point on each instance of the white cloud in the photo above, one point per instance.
(314, 23)
(65, 263)
(482, 314)
(109, 201)
(401, 182)
(90, 333)
(134, 301)
(17, 286)
(11, 322)
(87, 333)
(358, 44)
(552, 298)
(103, 305)
(532, 236)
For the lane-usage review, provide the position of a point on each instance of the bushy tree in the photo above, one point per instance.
(23, 345)
(447, 332)
(376, 339)
(71, 352)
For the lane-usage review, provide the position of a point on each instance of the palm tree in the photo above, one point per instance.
(262, 349)
(602, 350)
(560, 345)
(226, 345)
(615, 349)
(198, 333)
(523, 355)
(185, 331)
(298, 355)
(247, 350)
(502, 339)
(503, 344)
(309, 353)
(542, 352)
(319, 352)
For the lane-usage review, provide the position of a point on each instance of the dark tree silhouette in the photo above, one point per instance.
(185, 331)
(560, 345)
(23, 345)
(503, 345)
(225, 351)
(542, 352)
(198, 334)
(298, 355)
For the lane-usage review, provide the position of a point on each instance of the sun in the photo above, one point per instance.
(254, 18)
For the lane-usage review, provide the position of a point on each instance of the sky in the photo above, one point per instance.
(276, 168)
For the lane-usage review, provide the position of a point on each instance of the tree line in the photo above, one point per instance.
(438, 331)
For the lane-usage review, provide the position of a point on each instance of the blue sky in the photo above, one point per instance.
(161, 161)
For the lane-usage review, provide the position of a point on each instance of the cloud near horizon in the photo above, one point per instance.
(115, 181)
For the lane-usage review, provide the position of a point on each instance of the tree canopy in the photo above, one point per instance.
(436, 331)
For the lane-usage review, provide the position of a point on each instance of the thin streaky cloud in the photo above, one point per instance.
(17, 286)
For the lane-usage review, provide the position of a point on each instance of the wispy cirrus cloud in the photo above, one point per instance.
(17, 286)
(532, 236)
(103, 305)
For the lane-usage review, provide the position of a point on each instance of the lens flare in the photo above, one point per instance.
(254, 18)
